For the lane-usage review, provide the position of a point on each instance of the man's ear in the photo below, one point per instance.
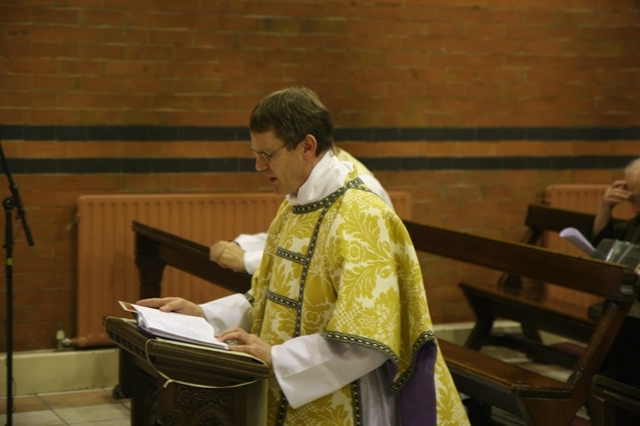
(309, 145)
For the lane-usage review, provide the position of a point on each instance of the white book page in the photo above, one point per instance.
(577, 239)
(187, 328)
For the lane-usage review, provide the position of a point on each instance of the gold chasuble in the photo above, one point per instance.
(345, 267)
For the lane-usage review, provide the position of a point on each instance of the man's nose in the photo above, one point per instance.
(261, 165)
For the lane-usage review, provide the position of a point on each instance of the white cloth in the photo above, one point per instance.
(253, 246)
(309, 367)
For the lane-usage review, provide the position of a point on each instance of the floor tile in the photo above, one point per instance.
(94, 414)
(95, 407)
(34, 418)
(23, 403)
(77, 398)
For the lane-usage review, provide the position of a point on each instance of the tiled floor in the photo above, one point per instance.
(94, 407)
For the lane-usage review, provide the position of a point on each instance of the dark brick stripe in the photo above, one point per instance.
(418, 134)
(231, 165)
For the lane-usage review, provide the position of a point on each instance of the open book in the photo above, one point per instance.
(172, 325)
(577, 239)
(615, 251)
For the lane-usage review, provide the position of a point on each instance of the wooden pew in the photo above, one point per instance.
(542, 220)
(154, 249)
(537, 399)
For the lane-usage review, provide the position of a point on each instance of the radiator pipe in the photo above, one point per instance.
(84, 342)
(92, 340)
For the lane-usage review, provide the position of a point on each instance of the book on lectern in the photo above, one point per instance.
(175, 326)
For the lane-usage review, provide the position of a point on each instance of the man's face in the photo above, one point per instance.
(286, 170)
(633, 186)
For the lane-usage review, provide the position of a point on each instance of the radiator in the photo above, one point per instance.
(584, 198)
(106, 263)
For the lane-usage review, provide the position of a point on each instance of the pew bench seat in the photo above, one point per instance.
(553, 316)
(504, 385)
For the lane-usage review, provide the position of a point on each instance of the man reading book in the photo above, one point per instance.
(337, 307)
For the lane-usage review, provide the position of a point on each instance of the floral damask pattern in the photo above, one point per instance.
(345, 267)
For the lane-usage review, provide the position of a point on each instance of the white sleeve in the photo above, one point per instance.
(251, 242)
(228, 312)
(327, 364)
(376, 187)
(253, 246)
(252, 260)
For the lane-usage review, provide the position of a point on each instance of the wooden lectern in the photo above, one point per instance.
(178, 384)
(175, 384)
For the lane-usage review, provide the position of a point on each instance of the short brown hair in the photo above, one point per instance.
(293, 113)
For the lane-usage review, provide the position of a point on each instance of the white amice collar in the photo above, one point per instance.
(326, 178)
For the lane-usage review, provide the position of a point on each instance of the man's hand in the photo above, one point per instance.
(228, 255)
(616, 193)
(241, 341)
(173, 304)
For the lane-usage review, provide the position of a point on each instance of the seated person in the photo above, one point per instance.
(244, 253)
(623, 361)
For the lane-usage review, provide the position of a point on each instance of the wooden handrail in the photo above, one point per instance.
(156, 248)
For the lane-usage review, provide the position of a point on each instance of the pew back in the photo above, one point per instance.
(544, 224)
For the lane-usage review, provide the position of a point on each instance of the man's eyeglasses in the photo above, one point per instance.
(266, 156)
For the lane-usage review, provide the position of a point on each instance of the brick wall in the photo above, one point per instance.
(473, 107)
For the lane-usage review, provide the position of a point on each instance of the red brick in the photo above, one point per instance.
(417, 63)
(51, 15)
(14, 13)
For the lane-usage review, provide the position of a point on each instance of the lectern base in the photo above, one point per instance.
(171, 384)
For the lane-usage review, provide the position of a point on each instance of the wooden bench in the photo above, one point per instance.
(543, 223)
(537, 399)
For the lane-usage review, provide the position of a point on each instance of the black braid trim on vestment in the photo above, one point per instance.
(361, 341)
(356, 401)
(281, 415)
(250, 298)
(292, 256)
(425, 337)
(284, 301)
(331, 198)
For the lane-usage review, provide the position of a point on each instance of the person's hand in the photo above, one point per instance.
(173, 304)
(228, 255)
(616, 193)
(241, 341)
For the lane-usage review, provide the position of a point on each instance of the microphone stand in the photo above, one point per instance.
(10, 203)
